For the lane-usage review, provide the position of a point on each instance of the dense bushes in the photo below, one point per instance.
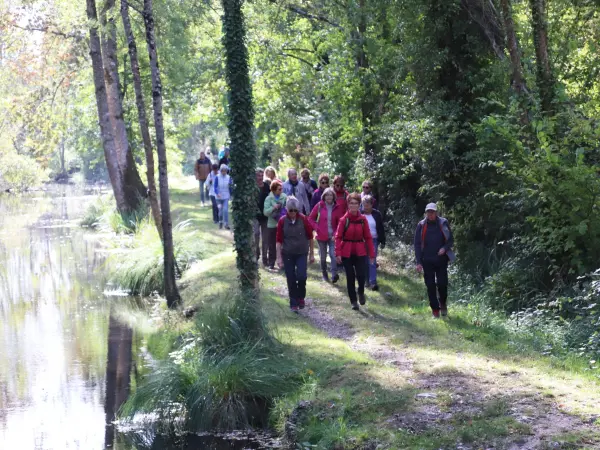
(226, 374)
(19, 172)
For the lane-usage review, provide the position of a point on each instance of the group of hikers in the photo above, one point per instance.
(347, 226)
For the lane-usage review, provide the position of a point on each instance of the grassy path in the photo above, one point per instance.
(390, 376)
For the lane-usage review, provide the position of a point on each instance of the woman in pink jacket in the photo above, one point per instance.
(324, 219)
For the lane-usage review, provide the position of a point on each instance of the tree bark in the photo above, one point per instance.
(544, 75)
(135, 190)
(106, 131)
(171, 292)
(518, 80)
(243, 146)
(142, 119)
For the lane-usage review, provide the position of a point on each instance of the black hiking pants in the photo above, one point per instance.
(435, 274)
(356, 269)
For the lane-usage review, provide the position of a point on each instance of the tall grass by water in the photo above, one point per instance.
(225, 375)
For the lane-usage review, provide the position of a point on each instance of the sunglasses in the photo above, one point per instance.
(366, 187)
(324, 182)
(338, 185)
(292, 210)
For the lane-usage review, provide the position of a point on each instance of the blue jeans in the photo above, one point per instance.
(323, 247)
(223, 211)
(372, 268)
(202, 192)
(295, 274)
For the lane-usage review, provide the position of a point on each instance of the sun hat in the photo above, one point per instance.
(431, 207)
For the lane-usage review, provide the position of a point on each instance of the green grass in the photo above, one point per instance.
(347, 399)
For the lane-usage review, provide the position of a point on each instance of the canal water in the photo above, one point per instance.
(66, 358)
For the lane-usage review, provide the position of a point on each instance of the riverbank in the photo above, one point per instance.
(392, 377)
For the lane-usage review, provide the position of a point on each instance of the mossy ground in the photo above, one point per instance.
(390, 376)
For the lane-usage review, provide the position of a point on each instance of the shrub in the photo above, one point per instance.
(102, 215)
(20, 172)
(139, 268)
(225, 375)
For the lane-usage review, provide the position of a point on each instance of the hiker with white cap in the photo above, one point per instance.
(433, 251)
(222, 185)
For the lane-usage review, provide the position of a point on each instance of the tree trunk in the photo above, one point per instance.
(544, 76)
(171, 292)
(518, 80)
(135, 190)
(243, 146)
(143, 120)
(106, 131)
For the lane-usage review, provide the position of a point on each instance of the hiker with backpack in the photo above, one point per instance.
(353, 244)
(341, 194)
(294, 244)
(324, 219)
(295, 187)
(433, 251)
(323, 184)
(375, 221)
(222, 185)
(274, 209)
(309, 183)
(211, 192)
(260, 223)
(202, 169)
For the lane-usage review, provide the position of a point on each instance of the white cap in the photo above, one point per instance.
(431, 207)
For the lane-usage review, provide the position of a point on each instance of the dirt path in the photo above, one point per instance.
(446, 393)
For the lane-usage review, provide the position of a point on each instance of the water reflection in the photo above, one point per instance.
(54, 327)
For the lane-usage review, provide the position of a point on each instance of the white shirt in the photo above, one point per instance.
(211, 179)
(372, 225)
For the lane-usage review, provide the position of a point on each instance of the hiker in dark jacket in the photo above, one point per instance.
(433, 251)
(202, 170)
(323, 184)
(260, 224)
(294, 244)
(375, 221)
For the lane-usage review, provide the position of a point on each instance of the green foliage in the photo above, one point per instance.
(103, 215)
(139, 268)
(19, 172)
(225, 375)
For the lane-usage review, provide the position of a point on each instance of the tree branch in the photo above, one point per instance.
(304, 13)
(49, 30)
(305, 61)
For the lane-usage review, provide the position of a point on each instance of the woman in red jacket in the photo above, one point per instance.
(353, 243)
(341, 194)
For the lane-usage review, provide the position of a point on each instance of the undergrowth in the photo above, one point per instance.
(225, 374)
(139, 267)
(103, 216)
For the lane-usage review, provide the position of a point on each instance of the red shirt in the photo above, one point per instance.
(356, 240)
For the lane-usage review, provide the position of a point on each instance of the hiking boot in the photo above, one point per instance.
(444, 312)
(355, 306)
(301, 303)
(375, 287)
(335, 278)
(294, 309)
(220, 226)
(325, 277)
(361, 299)
(227, 227)
(435, 313)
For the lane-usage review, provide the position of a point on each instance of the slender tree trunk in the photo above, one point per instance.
(171, 292)
(108, 142)
(143, 121)
(243, 146)
(135, 190)
(544, 76)
(518, 80)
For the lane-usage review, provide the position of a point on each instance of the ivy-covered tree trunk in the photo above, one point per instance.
(134, 188)
(544, 75)
(243, 146)
(142, 119)
(106, 132)
(171, 292)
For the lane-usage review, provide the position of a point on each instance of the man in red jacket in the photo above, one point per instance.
(353, 243)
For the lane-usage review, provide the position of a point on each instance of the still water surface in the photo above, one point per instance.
(64, 358)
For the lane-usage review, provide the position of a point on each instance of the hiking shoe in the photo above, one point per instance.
(361, 299)
(435, 313)
(444, 312)
(294, 309)
(375, 287)
(220, 226)
(355, 306)
(335, 278)
(325, 277)
(227, 227)
(301, 303)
